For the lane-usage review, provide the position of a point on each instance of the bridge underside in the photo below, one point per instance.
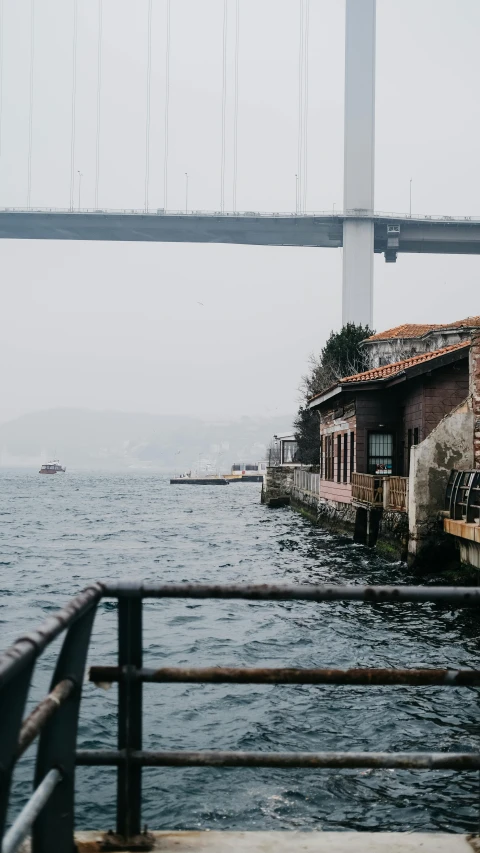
(414, 235)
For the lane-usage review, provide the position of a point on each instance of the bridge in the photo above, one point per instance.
(359, 230)
(393, 233)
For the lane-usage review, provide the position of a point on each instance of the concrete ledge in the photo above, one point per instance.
(303, 842)
(462, 529)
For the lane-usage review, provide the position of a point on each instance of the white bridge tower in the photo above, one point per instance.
(359, 168)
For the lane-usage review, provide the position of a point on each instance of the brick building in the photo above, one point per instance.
(370, 421)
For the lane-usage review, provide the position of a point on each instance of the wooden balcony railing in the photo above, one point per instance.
(397, 493)
(367, 488)
(391, 493)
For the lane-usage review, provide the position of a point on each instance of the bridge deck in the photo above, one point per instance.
(453, 236)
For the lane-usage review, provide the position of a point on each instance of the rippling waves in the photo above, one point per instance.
(59, 533)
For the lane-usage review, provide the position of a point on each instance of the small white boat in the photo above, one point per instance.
(52, 468)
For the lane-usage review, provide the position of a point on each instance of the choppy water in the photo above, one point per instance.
(59, 533)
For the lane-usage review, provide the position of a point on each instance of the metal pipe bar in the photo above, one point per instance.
(129, 739)
(29, 646)
(25, 820)
(54, 828)
(217, 758)
(235, 675)
(13, 697)
(467, 596)
(44, 710)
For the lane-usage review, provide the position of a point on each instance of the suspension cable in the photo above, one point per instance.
(305, 104)
(224, 104)
(298, 193)
(149, 88)
(30, 109)
(235, 115)
(167, 104)
(74, 100)
(99, 101)
(1, 73)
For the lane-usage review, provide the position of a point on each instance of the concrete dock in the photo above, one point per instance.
(296, 842)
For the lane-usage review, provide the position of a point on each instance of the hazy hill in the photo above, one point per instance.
(87, 439)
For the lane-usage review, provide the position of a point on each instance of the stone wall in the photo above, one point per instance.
(388, 531)
(475, 395)
(277, 486)
(304, 500)
(336, 516)
(393, 534)
(448, 446)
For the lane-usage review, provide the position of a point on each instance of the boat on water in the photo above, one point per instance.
(247, 472)
(52, 468)
(209, 480)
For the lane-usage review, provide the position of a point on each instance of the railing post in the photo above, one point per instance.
(386, 493)
(55, 825)
(129, 778)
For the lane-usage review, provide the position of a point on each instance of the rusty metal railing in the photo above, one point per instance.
(49, 814)
(462, 499)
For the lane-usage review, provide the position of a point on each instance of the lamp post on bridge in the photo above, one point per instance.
(186, 192)
(410, 198)
(80, 176)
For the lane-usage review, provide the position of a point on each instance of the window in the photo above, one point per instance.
(289, 452)
(321, 456)
(380, 453)
(415, 435)
(409, 446)
(345, 456)
(352, 454)
(329, 457)
(339, 458)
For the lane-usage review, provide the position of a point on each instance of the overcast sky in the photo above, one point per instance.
(119, 326)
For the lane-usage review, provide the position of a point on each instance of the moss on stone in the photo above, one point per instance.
(390, 550)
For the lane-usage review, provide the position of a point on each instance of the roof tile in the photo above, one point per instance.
(389, 370)
(417, 330)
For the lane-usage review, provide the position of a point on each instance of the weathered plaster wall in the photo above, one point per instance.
(475, 395)
(449, 445)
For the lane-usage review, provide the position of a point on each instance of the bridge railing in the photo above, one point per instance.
(49, 814)
(228, 214)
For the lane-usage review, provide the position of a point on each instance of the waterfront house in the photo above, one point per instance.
(369, 423)
(288, 448)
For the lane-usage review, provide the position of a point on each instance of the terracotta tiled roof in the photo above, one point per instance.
(415, 330)
(389, 370)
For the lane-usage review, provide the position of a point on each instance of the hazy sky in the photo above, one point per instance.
(119, 325)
